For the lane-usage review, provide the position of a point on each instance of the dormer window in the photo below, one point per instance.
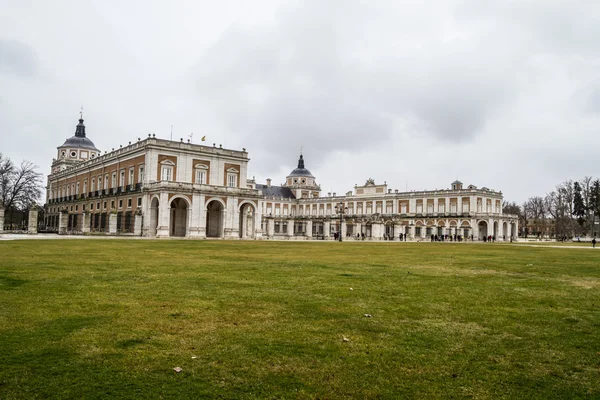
(303, 180)
(295, 180)
(73, 154)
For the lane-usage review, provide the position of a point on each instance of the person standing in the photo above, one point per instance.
(594, 242)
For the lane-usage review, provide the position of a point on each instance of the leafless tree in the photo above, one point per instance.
(20, 187)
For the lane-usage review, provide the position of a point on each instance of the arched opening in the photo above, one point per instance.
(214, 219)
(505, 231)
(153, 217)
(440, 228)
(513, 230)
(483, 231)
(466, 230)
(178, 218)
(389, 230)
(247, 221)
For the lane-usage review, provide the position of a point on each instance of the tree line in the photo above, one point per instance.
(571, 209)
(20, 189)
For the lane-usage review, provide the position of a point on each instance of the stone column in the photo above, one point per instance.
(137, 224)
(270, 227)
(85, 223)
(195, 210)
(326, 229)
(63, 222)
(33, 221)
(112, 223)
(290, 227)
(164, 216)
(223, 222)
(1, 220)
(233, 219)
(397, 231)
(309, 226)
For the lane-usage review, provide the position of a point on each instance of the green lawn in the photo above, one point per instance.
(112, 318)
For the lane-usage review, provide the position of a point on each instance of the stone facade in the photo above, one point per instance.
(161, 188)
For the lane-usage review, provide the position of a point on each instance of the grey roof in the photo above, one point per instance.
(276, 191)
(80, 143)
(301, 171)
(79, 140)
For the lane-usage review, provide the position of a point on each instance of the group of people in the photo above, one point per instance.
(447, 238)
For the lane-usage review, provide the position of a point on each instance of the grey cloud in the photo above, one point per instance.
(16, 58)
(324, 72)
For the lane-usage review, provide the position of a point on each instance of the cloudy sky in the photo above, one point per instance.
(503, 94)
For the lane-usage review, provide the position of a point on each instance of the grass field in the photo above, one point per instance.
(113, 318)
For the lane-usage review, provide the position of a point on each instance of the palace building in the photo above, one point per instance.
(162, 188)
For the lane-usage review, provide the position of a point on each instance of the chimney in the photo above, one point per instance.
(268, 182)
(333, 194)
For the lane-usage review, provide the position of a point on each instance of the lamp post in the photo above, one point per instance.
(340, 209)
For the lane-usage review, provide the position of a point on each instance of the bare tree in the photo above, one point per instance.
(20, 187)
(586, 193)
(536, 214)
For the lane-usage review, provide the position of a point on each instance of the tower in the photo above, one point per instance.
(75, 149)
(302, 182)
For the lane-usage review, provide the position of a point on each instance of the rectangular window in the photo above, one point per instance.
(141, 175)
(77, 190)
(112, 204)
(85, 186)
(167, 173)
(92, 207)
(129, 203)
(105, 181)
(114, 180)
(120, 203)
(139, 201)
(83, 207)
(93, 188)
(122, 178)
(232, 180)
(76, 208)
(130, 176)
(200, 176)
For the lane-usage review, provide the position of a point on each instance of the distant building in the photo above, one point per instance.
(162, 188)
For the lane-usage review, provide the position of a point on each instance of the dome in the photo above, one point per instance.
(79, 141)
(301, 171)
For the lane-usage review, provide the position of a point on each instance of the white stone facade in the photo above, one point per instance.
(160, 188)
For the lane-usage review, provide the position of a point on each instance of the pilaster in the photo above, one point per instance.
(85, 223)
(33, 221)
(112, 223)
(137, 224)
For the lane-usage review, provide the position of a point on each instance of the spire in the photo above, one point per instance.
(301, 162)
(80, 131)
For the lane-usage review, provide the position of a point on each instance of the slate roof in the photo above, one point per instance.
(276, 191)
(79, 140)
(301, 171)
